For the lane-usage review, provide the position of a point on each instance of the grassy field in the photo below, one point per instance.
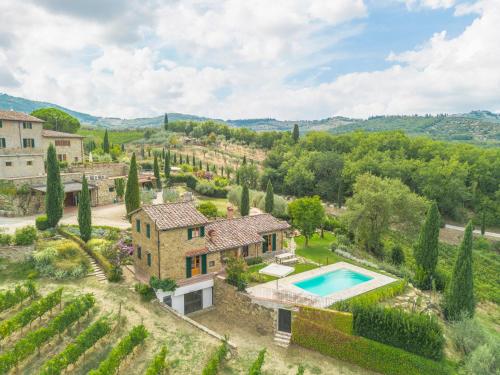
(318, 249)
(115, 137)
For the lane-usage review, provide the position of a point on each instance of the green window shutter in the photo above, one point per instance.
(264, 244)
(190, 233)
(202, 231)
(274, 241)
(188, 267)
(204, 263)
(33, 143)
(139, 252)
(138, 225)
(149, 259)
(148, 231)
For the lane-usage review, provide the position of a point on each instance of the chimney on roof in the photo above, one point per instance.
(230, 212)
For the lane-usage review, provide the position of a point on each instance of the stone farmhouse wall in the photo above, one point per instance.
(238, 307)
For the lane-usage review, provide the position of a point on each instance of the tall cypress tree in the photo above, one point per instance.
(187, 159)
(194, 161)
(166, 168)
(295, 134)
(244, 160)
(200, 165)
(245, 201)
(132, 194)
(208, 167)
(165, 121)
(426, 249)
(156, 171)
(105, 143)
(175, 158)
(459, 296)
(84, 213)
(269, 203)
(55, 191)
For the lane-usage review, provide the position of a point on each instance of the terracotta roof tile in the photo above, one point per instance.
(233, 233)
(175, 215)
(53, 134)
(18, 116)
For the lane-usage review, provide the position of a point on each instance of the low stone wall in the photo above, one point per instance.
(238, 307)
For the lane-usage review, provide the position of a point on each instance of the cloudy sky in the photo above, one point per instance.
(288, 59)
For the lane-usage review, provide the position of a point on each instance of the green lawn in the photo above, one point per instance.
(318, 249)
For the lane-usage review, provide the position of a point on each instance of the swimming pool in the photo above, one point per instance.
(332, 282)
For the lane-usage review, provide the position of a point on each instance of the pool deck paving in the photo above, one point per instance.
(284, 290)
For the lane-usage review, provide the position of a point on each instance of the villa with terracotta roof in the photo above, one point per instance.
(175, 241)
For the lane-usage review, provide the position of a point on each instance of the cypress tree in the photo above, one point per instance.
(175, 158)
(84, 213)
(187, 159)
(200, 165)
(143, 155)
(244, 160)
(163, 153)
(426, 249)
(156, 171)
(194, 161)
(165, 121)
(55, 191)
(123, 147)
(180, 158)
(459, 296)
(269, 203)
(222, 171)
(483, 222)
(208, 167)
(132, 194)
(105, 143)
(295, 134)
(166, 169)
(245, 201)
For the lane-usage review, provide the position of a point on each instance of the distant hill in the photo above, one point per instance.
(479, 127)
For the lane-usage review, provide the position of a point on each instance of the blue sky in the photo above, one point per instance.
(288, 59)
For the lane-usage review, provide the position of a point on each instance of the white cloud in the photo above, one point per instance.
(232, 59)
(432, 4)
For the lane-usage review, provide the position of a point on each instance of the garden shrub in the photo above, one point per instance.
(146, 292)
(256, 368)
(484, 360)
(191, 182)
(209, 209)
(373, 296)
(212, 366)
(210, 190)
(25, 236)
(467, 335)
(236, 273)
(41, 222)
(397, 255)
(416, 333)
(253, 261)
(166, 285)
(5, 239)
(363, 352)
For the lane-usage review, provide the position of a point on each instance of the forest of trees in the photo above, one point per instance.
(463, 179)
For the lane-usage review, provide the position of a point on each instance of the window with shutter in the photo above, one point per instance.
(188, 267)
(149, 259)
(190, 233)
(138, 226)
(264, 244)
(204, 264)
(148, 230)
(139, 252)
(274, 241)
(202, 231)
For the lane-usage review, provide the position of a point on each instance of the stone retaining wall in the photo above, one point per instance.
(238, 307)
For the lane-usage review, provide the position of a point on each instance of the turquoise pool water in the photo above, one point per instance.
(332, 282)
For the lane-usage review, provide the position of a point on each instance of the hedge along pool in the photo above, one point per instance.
(332, 282)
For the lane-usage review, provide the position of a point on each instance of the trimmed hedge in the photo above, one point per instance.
(341, 321)
(363, 352)
(212, 366)
(416, 333)
(372, 297)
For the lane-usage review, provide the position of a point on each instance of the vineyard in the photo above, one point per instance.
(56, 333)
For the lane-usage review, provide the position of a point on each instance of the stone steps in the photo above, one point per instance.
(282, 339)
(96, 270)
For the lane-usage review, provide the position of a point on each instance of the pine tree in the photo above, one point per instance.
(295, 134)
(245, 201)
(165, 121)
(105, 143)
(55, 191)
(156, 171)
(459, 296)
(426, 249)
(269, 202)
(132, 194)
(84, 212)
(166, 169)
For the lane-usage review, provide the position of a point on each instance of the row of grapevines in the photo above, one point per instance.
(158, 364)
(84, 341)
(11, 298)
(30, 313)
(256, 368)
(213, 364)
(109, 366)
(36, 339)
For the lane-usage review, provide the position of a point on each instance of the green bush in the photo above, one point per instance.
(484, 360)
(236, 273)
(20, 293)
(256, 368)
(5, 239)
(397, 255)
(167, 285)
(209, 209)
(212, 366)
(41, 222)
(415, 333)
(146, 292)
(338, 320)
(25, 236)
(372, 297)
(467, 335)
(363, 352)
(253, 261)
(158, 365)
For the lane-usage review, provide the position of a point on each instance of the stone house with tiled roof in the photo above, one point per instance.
(176, 241)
